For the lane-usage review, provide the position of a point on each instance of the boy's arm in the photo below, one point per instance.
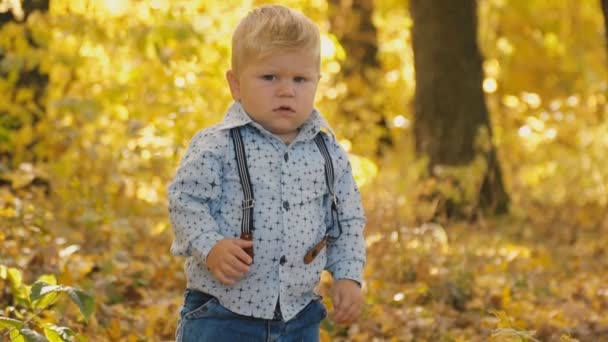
(192, 193)
(346, 256)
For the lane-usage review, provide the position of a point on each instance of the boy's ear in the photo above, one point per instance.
(233, 82)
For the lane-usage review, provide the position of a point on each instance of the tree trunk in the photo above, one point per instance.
(351, 22)
(450, 108)
(605, 12)
(31, 78)
(28, 78)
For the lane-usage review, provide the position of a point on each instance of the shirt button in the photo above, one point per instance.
(286, 156)
(286, 205)
(283, 260)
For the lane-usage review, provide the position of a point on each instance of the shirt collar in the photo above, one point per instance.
(237, 117)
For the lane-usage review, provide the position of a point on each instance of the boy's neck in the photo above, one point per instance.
(288, 138)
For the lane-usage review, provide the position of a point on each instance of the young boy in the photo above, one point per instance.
(289, 187)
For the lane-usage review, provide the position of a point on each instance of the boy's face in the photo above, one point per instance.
(278, 91)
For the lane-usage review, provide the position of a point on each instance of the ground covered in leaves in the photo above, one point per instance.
(538, 275)
(505, 279)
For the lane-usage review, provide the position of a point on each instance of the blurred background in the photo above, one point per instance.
(477, 131)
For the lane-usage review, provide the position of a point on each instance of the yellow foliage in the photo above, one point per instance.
(364, 169)
(83, 169)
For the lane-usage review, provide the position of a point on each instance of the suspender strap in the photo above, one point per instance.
(248, 201)
(335, 217)
(329, 179)
(329, 168)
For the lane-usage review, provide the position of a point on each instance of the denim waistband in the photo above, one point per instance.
(277, 310)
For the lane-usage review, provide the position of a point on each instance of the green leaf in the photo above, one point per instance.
(15, 277)
(46, 301)
(18, 289)
(9, 323)
(47, 278)
(40, 289)
(16, 336)
(3, 272)
(53, 336)
(56, 333)
(40, 297)
(32, 336)
(85, 302)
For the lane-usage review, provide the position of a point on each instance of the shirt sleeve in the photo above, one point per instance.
(192, 196)
(346, 255)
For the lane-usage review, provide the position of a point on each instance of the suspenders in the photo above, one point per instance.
(329, 180)
(248, 200)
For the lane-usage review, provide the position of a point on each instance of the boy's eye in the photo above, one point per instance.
(299, 79)
(269, 77)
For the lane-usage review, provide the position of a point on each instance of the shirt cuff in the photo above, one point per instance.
(348, 269)
(203, 245)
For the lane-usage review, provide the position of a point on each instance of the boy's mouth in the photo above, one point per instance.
(284, 108)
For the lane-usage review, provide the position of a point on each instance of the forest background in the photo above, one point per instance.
(486, 229)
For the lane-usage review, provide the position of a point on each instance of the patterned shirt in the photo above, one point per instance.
(292, 211)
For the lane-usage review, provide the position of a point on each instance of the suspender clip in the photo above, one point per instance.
(248, 204)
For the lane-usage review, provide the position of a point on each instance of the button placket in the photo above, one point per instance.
(284, 208)
(284, 177)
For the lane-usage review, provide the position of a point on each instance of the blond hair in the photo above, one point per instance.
(270, 29)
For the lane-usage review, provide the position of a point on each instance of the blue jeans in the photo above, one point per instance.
(203, 318)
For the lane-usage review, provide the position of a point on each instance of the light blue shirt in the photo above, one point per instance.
(291, 214)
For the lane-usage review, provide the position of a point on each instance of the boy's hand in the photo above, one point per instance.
(347, 300)
(228, 261)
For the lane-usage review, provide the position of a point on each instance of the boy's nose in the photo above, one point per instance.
(286, 89)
